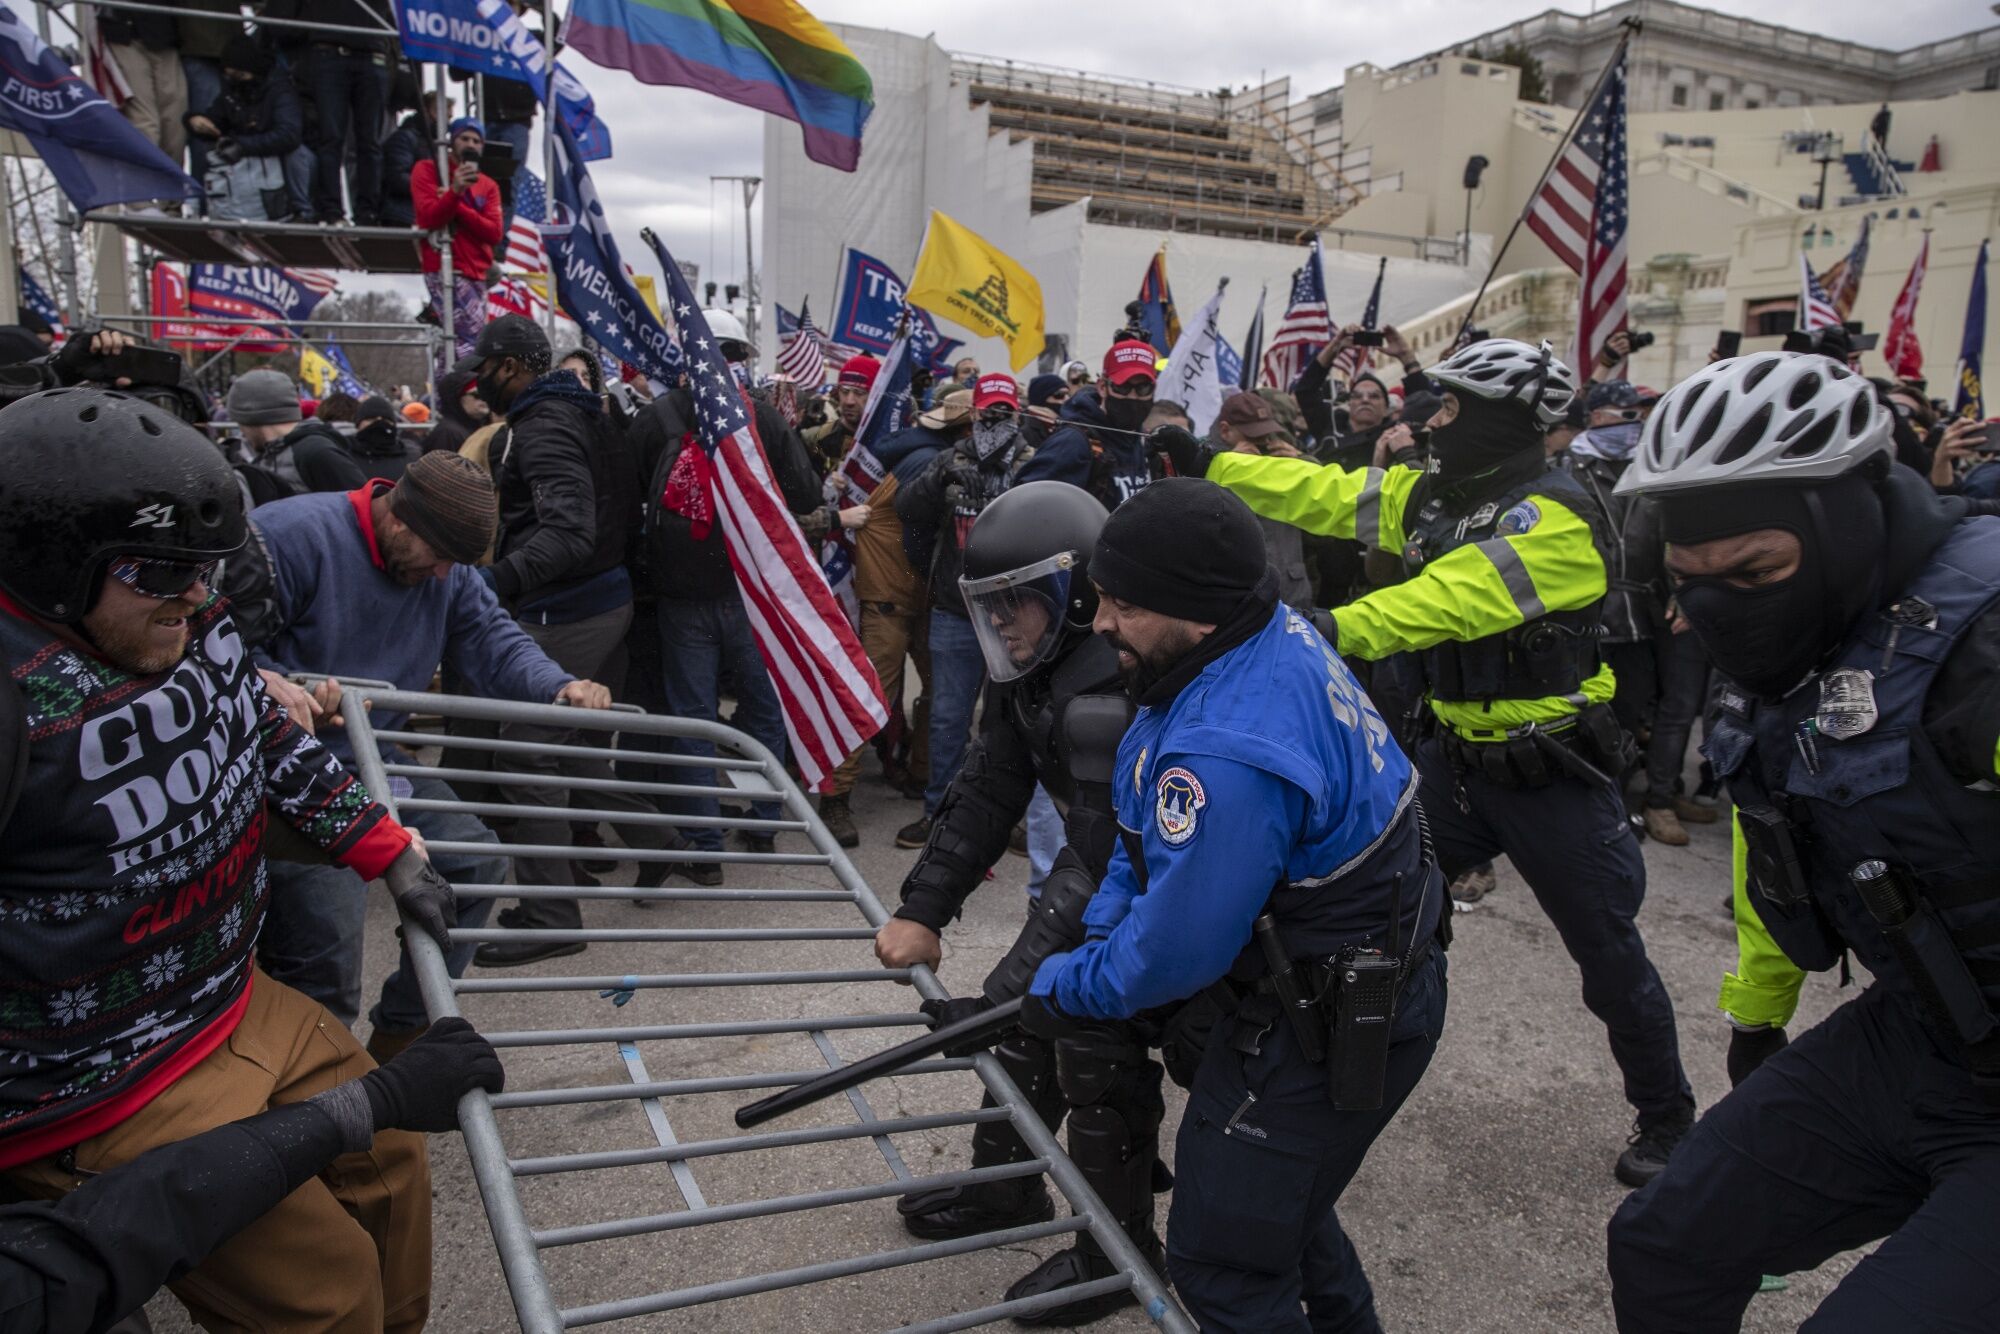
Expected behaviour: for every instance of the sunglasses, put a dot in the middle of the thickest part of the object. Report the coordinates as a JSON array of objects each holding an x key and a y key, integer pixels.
[{"x": 161, "y": 579}]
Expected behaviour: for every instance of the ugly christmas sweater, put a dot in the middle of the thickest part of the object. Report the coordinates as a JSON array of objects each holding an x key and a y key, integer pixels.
[{"x": 132, "y": 882}]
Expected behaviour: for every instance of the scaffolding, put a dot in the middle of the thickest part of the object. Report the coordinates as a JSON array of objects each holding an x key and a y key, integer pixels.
[{"x": 688, "y": 1050}]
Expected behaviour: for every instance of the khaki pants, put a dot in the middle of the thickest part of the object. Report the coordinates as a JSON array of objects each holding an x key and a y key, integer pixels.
[
  {"x": 889, "y": 635},
  {"x": 350, "y": 1250},
  {"x": 159, "y": 94}
]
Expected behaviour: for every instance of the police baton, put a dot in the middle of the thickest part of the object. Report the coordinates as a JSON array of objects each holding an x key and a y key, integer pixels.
[{"x": 978, "y": 1031}]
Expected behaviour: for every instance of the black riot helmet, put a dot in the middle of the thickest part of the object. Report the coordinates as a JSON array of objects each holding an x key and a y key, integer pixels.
[
  {"x": 87, "y": 475},
  {"x": 1026, "y": 574}
]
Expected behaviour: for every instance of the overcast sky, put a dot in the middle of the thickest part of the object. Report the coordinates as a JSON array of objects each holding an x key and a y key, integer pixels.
[{"x": 669, "y": 141}]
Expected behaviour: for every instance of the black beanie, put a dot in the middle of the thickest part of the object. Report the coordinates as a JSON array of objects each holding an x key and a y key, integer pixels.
[
  {"x": 1182, "y": 547},
  {"x": 243, "y": 52}
]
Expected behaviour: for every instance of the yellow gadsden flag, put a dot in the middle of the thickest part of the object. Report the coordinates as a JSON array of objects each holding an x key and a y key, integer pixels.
[
  {"x": 961, "y": 277},
  {"x": 315, "y": 370}
]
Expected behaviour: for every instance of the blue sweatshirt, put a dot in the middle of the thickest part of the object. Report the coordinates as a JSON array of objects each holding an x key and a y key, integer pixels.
[{"x": 339, "y": 612}]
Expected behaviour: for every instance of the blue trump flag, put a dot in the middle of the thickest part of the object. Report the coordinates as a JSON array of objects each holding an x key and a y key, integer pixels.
[
  {"x": 590, "y": 277},
  {"x": 344, "y": 378},
  {"x": 485, "y": 37},
  {"x": 95, "y": 154},
  {"x": 37, "y": 299},
  {"x": 1971, "y": 399},
  {"x": 870, "y": 311}
]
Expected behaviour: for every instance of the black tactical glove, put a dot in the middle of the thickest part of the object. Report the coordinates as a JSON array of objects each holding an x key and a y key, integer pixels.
[
  {"x": 1041, "y": 1016},
  {"x": 227, "y": 151},
  {"x": 419, "y": 1089},
  {"x": 1185, "y": 455},
  {"x": 945, "y": 1013},
  {"x": 424, "y": 894},
  {"x": 1750, "y": 1048}
]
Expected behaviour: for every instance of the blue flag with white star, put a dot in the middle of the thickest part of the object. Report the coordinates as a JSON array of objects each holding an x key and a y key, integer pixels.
[
  {"x": 96, "y": 155},
  {"x": 590, "y": 278}
]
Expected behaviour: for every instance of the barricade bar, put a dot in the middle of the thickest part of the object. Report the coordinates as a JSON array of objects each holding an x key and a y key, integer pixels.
[
  {"x": 747, "y": 951},
  {"x": 666, "y": 1088},
  {"x": 652, "y": 981},
  {"x": 507, "y": 810},
  {"x": 777, "y": 1139},
  {"x": 783, "y": 1204},
  {"x": 744, "y": 1028},
  {"x": 792, "y": 1278},
  {"x": 1020, "y": 1306}
]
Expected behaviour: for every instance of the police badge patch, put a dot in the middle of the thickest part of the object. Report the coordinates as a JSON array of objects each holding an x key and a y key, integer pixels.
[
  {"x": 1181, "y": 798},
  {"x": 1519, "y": 519}
]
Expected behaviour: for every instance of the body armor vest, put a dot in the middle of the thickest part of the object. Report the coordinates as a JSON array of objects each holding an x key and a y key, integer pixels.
[
  {"x": 1550, "y": 655},
  {"x": 1843, "y": 772}
]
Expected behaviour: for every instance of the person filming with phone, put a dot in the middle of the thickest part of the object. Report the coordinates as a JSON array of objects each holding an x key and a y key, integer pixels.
[{"x": 466, "y": 207}]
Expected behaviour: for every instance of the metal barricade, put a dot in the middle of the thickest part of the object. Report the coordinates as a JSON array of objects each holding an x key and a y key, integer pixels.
[{"x": 700, "y": 1048}]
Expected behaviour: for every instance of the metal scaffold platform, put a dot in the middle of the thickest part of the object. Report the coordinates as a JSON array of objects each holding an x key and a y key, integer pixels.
[
  {"x": 688, "y": 1214},
  {"x": 287, "y": 244}
]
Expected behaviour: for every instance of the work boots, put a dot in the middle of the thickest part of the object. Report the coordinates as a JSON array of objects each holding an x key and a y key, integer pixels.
[
  {"x": 944, "y": 1212},
  {"x": 838, "y": 818},
  {"x": 1083, "y": 1263},
  {"x": 1653, "y": 1142}
]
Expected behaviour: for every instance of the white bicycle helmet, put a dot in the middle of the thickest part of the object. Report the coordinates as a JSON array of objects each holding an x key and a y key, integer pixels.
[
  {"x": 1507, "y": 368},
  {"x": 1769, "y": 417}
]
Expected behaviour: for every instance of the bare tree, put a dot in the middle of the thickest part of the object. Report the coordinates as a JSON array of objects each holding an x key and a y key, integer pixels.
[{"x": 382, "y": 368}]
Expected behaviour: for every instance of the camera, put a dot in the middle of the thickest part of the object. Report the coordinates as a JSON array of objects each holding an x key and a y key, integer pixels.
[
  {"x": 1640, "y": 338},
  {"x": 1367, "y": 338},
  {"x": 468, "y": 154}
]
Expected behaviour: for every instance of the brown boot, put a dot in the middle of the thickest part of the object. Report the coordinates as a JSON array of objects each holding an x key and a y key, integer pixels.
[
  {"x": 838, "y": 818},
  {"x": 1693, "y": 812},
  {"x": 1664, "y": 827},
  {"x": 385, "y": 1044}
]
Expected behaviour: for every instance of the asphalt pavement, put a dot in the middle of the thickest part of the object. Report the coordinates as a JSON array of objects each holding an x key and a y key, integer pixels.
[{"x": 1481, "y": 1208}]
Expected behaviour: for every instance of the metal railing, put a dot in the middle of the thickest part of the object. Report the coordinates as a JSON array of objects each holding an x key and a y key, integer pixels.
[{"x": 765, "y": 919}]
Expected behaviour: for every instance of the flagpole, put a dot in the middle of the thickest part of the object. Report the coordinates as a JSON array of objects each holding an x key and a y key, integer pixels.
[
  {"x": 1631, "y": 27},
  {"x": 549, "y": 110},
  {"x": 66, "y": 223}
]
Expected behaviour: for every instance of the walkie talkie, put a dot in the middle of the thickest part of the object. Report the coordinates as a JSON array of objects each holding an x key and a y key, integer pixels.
[{"x": 1364, "y": 1006}]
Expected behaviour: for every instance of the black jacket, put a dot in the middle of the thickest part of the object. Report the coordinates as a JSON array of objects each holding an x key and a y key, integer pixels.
[
  {"x": 565, "y": 492},
  {"x": 264, "y": 120},
  {"x": 1314, "y": 392},
  {"x": 1635, "y": 597},
  {"x": 95, "y": 1256},
  {"x": 383, "y": 455},
  {"x": 407, "y": 144},
  {"x": 946, "y": 497},
  {"x": 346, "y": 13},
  {"x": 674, "y": 563},
  {"x": 313, "y": 457}
]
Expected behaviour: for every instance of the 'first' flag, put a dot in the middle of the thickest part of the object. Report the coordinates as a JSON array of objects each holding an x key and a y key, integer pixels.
[{"x": 96, "y": 155}]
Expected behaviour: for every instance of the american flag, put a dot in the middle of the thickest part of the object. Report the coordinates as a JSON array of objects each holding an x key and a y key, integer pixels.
[
  {"x": 524, "y": 250},
  {"x": 1354, "y": 358},
  {"x": 1815, "y": 306},
  {"x": 1581, "y": 212},
  {"x": 1305, "y": 328},
  {"x": 514, "y": 296},
  {"x": 802, "y": 356},
  {"x": 1843, "y": 281},
  {"x": 103, "y": 73},
  {"x": 831, "y": 698},
  {"x": 1900, "y": 347},
  {"x": 315, "y": 280}
]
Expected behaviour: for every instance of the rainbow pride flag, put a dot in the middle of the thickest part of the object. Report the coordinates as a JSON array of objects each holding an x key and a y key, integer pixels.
[{"x": 767, "y": 54}]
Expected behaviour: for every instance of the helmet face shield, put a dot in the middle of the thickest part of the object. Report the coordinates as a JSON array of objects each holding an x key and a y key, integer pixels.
[{"x": 1018, "y": 616}]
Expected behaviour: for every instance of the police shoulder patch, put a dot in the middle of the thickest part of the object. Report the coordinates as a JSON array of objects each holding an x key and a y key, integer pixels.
[
  {"x": 1519, "y": 519},
  {"x": 1177, "y": 810}
]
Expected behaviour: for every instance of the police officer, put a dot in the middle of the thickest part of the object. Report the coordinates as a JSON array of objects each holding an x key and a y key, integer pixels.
[
  {"x": 1054, "y": 714},
  {"x": 1506, "y": 576},
  {"x": 1856, "y": 615},
  {"x": 1270, "y": 848}
]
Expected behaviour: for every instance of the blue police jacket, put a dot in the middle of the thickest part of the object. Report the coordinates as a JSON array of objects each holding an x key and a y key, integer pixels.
[{"x": 1269, "y": 780}]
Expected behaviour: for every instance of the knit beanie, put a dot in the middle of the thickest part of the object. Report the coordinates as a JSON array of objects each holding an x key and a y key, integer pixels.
[
  {"x": 375, "y": 408},
  {"x": 1042, "y": 386},
  {"x": 1182, "y": 547},
  {"x": 263, "y": 398},
  {"x": 448, "y": 500}
]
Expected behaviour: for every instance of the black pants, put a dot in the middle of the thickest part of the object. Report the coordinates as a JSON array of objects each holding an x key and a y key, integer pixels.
[
  {"x": 1860, "y": 1130},
  {"x": 1571, "y": 842},
  {"x": 1636, "y": 665},
  {"x": 1683, "y": 688},
  {"x": 1254, "y": 1241},
  {"x": 348, "y": 89}
]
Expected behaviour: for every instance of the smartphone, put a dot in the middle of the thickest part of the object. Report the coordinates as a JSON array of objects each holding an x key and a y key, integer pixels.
[
  {"x": 496, "y": 160},
  {"x": 1728, "y": 343},
  {"x": 141, "y": 365},
  {"x": 1368, "y": 338}
]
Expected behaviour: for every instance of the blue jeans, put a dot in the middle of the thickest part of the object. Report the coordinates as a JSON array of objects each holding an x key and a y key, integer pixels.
[
  {"x": 1045, "y": 839},
  {"x": 299, "y": 166},
  {"x": 204, "y": 85},
  {"x": 701, "y": 643},
  {"x": 313, "y": 932},
  {"x": 350, "y": 91},
  {"x": 957, "y": 671}
]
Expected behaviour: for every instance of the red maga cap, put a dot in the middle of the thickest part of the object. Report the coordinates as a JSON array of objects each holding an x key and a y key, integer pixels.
[
  {"x": 1129, "y": 357},
  {"x": 860, "y": 370},
  {"x": 991, "y": 389}
]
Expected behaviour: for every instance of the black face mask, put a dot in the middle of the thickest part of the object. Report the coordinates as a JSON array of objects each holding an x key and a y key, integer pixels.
[
  {"x": 376, "y": 437},
  {"x": 491, "y": 387},
  {"x": 1127, "y": 414},
  {"x": 1770, "y": 639},
  {"x": 1482, "y": 435}
]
